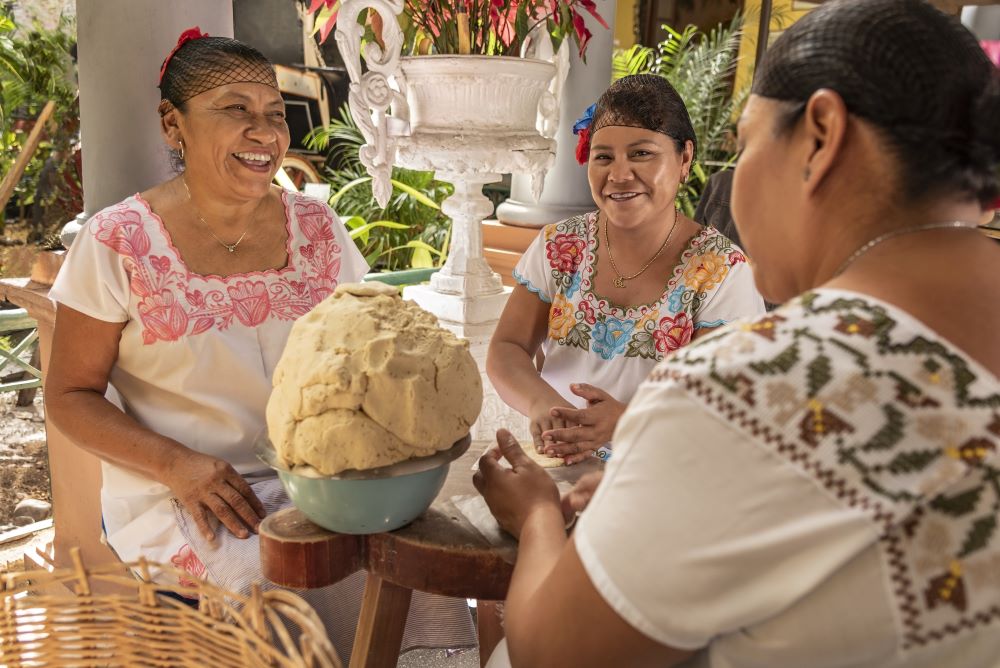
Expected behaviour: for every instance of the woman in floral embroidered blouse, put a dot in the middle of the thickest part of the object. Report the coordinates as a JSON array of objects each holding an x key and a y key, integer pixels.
[
  {"x": 174, "y": 306},
  {"x": 608, "y": 294},
  {"x": 819, "y": 486}
]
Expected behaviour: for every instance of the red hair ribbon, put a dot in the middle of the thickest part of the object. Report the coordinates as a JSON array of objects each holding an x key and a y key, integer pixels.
[
  {"x": 995, "y": 204},
  {"x": 186, "y": 36},
  {"x": 583, "y": 146}
]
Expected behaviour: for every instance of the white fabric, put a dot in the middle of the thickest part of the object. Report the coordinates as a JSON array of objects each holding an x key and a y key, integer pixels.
[
  {"x": 711, "y": 530},
  {"x": 591, "y": 340},
  {"x": 197, "y": 352}
]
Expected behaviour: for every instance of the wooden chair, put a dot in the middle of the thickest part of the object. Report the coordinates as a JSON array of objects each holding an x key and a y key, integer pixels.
[{"x": 22, "y": 331}]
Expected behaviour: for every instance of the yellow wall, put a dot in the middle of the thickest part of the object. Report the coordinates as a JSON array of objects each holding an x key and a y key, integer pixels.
[
  {"x": 783, "y": 14},
  {"x": 624, "y": 23}
]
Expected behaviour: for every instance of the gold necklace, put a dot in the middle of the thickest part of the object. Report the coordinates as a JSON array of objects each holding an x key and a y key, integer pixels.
[
  {"x": 229, "y": 247},
  {"x": 952, "y": 224},
  {"x": 620, "y": 281}
]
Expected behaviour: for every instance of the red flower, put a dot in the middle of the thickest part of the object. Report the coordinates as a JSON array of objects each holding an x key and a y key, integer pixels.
[
  {"x": 587, "y": 310},
  {"x": 565, "y": 252},
  {"x": 736, "y": 257},
  {"x": 160, "y": 263},
  {"x": 186, "y": 36},
  {"x": 672, "y": 333},
  {"x": 583, "y": 146}
]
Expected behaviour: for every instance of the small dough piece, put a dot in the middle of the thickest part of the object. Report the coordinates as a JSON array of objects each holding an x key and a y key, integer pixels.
[
  {"x": 541, "y": 458},
  {"x": 370, "y": 289}
]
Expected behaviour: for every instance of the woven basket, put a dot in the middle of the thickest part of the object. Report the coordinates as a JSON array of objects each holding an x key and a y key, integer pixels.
[{"x": 137, "y": 627}]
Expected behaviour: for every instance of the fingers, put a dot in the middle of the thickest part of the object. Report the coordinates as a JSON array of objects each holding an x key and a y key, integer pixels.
[
  {"x": 569, "y": 460},
  {"x": 226, "y": 515},
  {"x": 243, "y": 488},
  {"x": 569, "y": 415},
  {"x": 536, "y": 433},
  {"x": 240, "y": 505},
  {"x": 568, "y": 435},
  {"x": 511, "y": 450},
  {"x": 567, "y": 449},
  {"x": 589, "y": 392},
  {"x": 197, "y": 512}
]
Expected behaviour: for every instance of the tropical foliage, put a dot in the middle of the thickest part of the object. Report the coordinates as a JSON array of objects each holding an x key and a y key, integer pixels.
[
  {"x": 411, "y": 231},
  {"x": 488, "y": 27},
  {"x": 35, "y": 67}
]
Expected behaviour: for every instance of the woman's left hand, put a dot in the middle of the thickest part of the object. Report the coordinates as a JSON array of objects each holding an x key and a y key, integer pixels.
[
  {"x": 590, "y": 427},
  {"x": 514, "y": 494}
]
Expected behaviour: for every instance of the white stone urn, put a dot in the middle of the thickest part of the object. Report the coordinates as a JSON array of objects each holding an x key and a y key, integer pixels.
[{"x": 470, "y": 119}]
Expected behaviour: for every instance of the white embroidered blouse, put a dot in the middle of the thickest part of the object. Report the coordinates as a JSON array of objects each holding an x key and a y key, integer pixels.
[
  {"x": 817, "y": 487},
  {"x": 593, "y": 340},
  {"x": 197, "y": 352}
]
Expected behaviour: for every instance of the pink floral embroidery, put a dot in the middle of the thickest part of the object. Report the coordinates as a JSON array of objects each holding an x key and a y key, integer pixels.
[
  {"x": 171, "y": 307},
  {"x": 565, "y": 251},
  {"x": 736, "y": 257},
  {"x": 673, "y": 333},
  {"x": 187, "y": 561}
]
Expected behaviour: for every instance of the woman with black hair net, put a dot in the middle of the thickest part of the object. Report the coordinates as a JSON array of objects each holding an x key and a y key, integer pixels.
[
  {"x": 174, "y": 306},
  {"x": 608, "y": 294},
  {"x": 818, "y": 486}
]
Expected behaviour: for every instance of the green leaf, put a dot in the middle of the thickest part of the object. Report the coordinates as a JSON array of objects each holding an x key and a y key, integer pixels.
[
  {"x": 959, "y": 504},
  {"x": 415, "y": 194},
  {"x": 891, "y": 432},
  {"x": 365, "y": 229},
  {"x": 344, "y": 190},
  {"x": 818, "y": 374},
  {"x": 422, "y": 245},
  {"x": 781, "y": 364},
  {"x": 979, "y": 535},
  {"x": 421, "y": 259},
  {"x": 912, "y": 461}
]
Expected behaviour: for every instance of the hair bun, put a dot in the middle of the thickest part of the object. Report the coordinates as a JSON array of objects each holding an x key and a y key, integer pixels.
[{"x": 986, "y": 116}]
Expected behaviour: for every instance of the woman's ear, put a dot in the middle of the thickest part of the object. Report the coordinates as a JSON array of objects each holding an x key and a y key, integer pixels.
[
  {"x": 825, "y": 122},
  {"x": 687, "y": 157},
  {"x": 170, "y": 124}
]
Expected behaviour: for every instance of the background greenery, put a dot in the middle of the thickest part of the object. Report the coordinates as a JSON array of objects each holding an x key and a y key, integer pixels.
[{"x": 35, "y": 67}]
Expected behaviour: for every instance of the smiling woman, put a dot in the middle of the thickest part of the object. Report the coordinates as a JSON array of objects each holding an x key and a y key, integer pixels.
[
  {"x": 174, "y": 306},
  {"x": 608, "y": 294}
]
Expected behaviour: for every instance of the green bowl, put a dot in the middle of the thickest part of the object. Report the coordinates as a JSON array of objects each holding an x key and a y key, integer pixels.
[{"x": 370, "y": 501}]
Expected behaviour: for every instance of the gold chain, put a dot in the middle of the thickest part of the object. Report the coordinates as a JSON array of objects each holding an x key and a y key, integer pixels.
[
  {"x": 620, "y": 281},
  {"x": 229, "y": 247}
]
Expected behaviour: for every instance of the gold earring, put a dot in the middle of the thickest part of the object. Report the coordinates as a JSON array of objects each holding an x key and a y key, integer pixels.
[{"x": 181, "y": 142}]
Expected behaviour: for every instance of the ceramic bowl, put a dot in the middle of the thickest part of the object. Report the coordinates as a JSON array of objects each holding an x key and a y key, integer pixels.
[{"x": 369, "y": 501}]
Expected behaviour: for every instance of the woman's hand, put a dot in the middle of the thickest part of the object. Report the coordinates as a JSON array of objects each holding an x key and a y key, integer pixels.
[
  {"x": 575, "y": 500},
  {"x": 208, "y": 486},
  {"x": 587, "y": 429},
  {"x": 542, "y": 418},
  {"x": 514, "y": 494}
]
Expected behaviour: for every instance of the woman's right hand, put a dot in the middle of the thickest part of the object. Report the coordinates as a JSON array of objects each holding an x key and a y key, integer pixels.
[
  {"x": 542, "y": 419},
  {"x": 208, "y": 486}
]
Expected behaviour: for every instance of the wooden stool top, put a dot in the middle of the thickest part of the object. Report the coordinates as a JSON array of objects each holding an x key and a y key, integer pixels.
[{"x": 440, "y": 552}]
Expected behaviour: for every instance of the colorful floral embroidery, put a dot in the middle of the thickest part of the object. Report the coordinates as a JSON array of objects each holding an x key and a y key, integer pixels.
[
  {"x": 891, "y": 422},
  {"x": 173, "y": 302},
  {"x": 580, "y": 318}
]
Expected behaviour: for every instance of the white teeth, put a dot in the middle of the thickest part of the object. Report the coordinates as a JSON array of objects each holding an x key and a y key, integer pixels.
[
  {"x": 622, "y": 196},
  {"x": 254, "y": 157}
]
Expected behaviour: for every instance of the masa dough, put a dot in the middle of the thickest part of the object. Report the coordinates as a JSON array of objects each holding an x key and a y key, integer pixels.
[
  {"x": 367, "y": 380},
  {"x": 541, "y": 458}
]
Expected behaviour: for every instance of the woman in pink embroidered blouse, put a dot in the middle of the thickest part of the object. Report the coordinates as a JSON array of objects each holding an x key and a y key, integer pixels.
[
  {"x": 608, "y": 294},
  {"x": 174, "y": 306}
]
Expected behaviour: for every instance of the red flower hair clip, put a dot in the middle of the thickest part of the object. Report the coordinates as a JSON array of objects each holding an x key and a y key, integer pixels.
[{"x": 186, "y": 36}]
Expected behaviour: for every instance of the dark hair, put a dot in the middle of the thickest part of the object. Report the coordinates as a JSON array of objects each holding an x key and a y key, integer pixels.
[
  {"x": 645, "y": 101},
  {"x": 208, "y": 62},
  {"x": 914, "y": 73}
]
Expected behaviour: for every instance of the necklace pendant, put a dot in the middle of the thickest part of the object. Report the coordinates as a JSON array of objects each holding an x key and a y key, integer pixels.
[
  {"x": 619, "y": 282},
  {"x": 231, "y": 249}
]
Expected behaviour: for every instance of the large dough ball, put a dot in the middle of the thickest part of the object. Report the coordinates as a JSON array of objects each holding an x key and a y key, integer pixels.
[{"x": 368, "y": 379}]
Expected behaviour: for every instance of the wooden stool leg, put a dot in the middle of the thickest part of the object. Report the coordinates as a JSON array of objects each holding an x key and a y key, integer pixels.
[
  {"x": 489, "y": 627},
  {"x": 381, "y": 625}
]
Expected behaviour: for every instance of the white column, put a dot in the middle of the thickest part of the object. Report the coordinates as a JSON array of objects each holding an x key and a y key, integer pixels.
[
  {"x": 121, "y": 45},
  {"x": 567, "y": 192}
]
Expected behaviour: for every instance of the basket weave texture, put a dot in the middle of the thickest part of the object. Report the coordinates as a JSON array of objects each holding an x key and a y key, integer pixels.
[{"x": 138, "y": 627}]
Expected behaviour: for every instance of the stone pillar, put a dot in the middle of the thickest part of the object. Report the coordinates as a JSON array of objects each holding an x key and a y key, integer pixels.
[
  {"x": 567, "y": 192},
  {"x": 121, "y": 45}
]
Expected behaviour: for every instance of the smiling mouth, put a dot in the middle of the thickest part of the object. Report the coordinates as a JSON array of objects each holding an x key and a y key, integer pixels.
[
  {"x": 258, "y": 162},
  {"x": 622, "y": 197}
]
